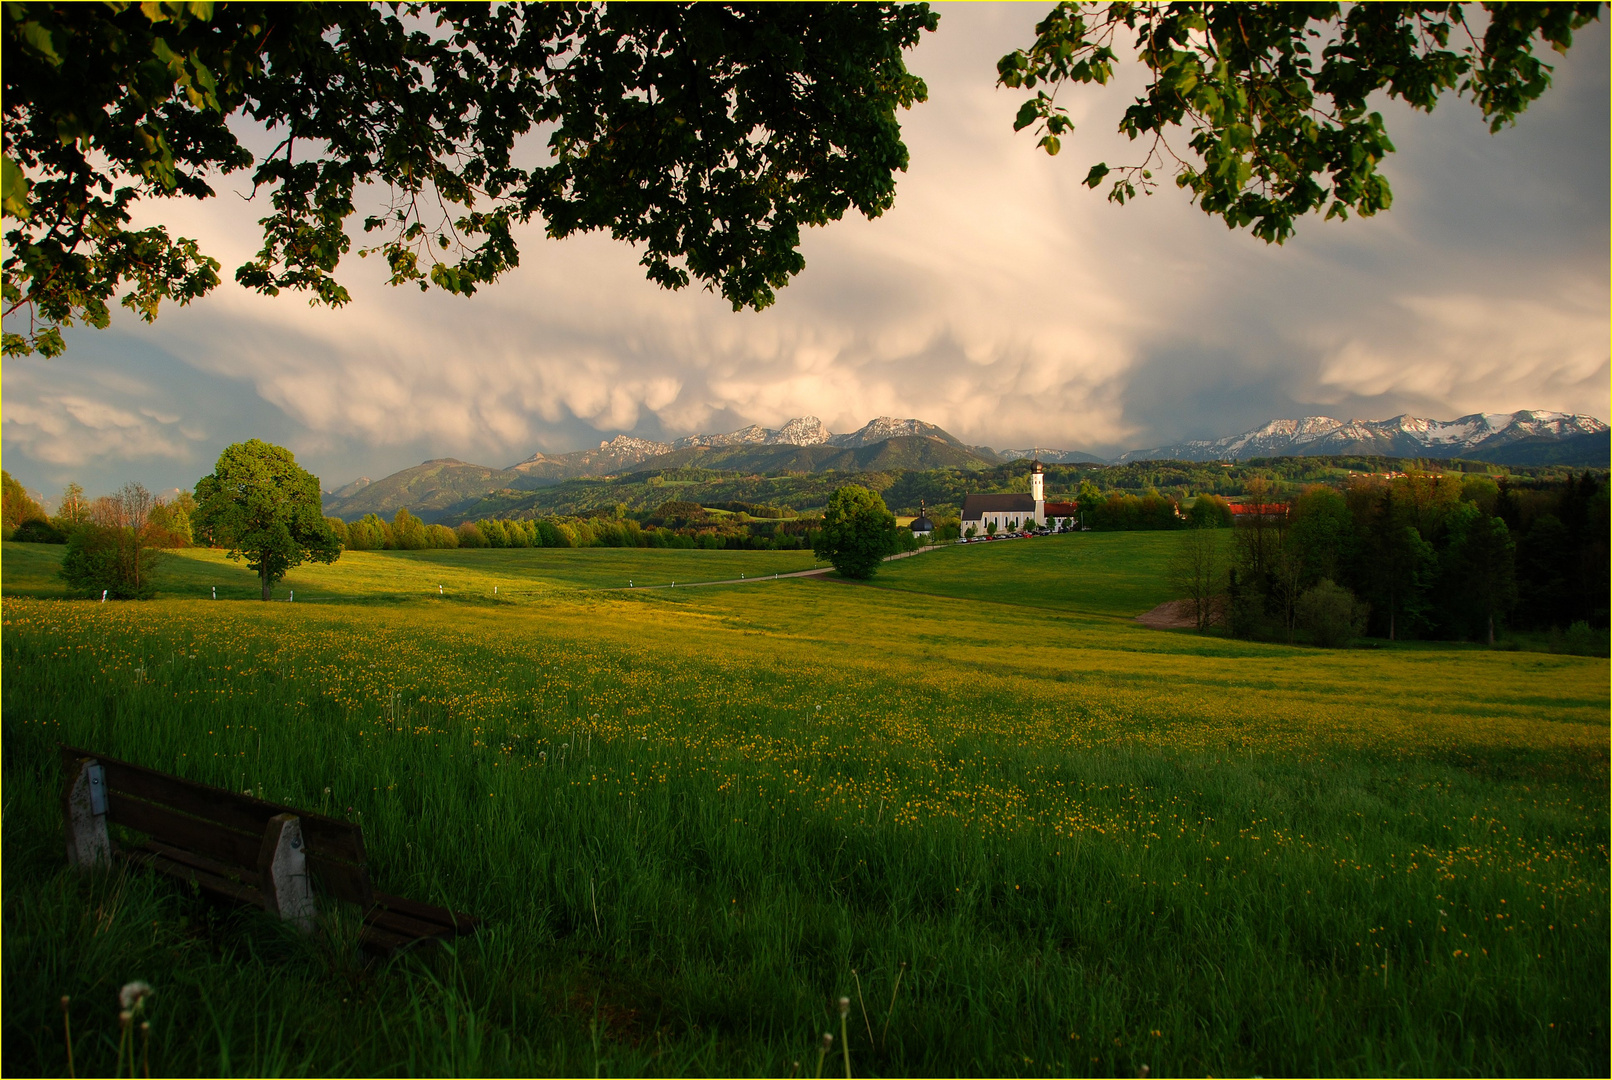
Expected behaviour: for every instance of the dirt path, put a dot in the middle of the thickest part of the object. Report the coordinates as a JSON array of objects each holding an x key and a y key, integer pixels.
[
  {"x": 1170, "y": 615},
  {"x": 814, "y": 572}
]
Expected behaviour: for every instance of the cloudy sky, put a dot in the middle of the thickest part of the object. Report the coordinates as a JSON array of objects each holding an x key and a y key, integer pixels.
[{"x": 1000, "y": 298}]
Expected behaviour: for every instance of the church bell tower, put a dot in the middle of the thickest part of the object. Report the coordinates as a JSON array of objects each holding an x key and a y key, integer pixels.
[{"x": 1038, "y": 493}]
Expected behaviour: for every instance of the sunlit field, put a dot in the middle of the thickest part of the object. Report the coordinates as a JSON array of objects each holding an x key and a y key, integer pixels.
[{"x": 1021, "y": 833}]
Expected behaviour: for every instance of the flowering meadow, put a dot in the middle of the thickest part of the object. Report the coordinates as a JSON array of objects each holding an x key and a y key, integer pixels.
[{"x": 1021, "y": 833}]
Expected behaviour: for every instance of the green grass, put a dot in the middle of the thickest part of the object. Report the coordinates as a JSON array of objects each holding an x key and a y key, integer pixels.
[
  {"x": 1116, "y": 573},
  {"x": 694, "y": 819},
  {"x": 392, "y": 576}
]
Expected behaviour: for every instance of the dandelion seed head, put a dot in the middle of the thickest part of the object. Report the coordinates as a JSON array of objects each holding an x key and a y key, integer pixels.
[{"x": 133, "y": 993}]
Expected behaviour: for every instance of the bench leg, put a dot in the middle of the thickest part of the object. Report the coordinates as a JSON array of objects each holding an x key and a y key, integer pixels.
[
  {"x": 283, "y": 864},
  {"x": 84, "y": 813}
]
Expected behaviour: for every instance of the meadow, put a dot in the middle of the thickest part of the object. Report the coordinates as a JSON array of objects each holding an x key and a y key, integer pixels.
[{"x": 1021, "y": 833}]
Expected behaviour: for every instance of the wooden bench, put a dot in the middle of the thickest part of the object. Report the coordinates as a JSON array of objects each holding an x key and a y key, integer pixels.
[{"x": 233, "y": 845}]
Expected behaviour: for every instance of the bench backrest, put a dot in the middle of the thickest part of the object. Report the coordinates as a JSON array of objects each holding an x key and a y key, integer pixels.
[{"x": 225, "y": 825}]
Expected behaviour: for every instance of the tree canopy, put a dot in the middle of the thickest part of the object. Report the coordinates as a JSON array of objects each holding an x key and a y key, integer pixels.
[
  {"x": 706, "y": 134},
  {"x": 858, "y": 531},
  {"x": 265, "y": 508},
  {"x": 1275, "y": 96}
]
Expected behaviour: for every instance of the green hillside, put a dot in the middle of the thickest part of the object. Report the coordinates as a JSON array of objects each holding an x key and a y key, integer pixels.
[
  {"x": 906, "y": 470},
  {"x": 906, "y": 452},
  {"x": 428, "y": 489},
  {"x": 1020, "y": 833}
]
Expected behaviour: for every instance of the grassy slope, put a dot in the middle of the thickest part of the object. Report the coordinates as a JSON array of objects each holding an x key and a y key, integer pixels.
[
  {"x": 1093, "y": 573},
  {"x": 690, "y": 816},
  {"x": 391, "y": 576}
]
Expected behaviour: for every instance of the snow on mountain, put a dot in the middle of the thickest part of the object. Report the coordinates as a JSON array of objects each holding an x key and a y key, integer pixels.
[
  {"x": 624, "y": 451},
  {"x": 627, "y": 444},
  {"x": 1049, "y": 456},
  {"x": 881, "y": 428},
  {"x": 1400, "y": 436},
  {"x": 802, "y": 431}
]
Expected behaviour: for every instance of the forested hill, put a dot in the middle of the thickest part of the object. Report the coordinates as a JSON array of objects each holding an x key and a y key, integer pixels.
[
  {"x": 904, "y": 452},
  {"x": 942, "y": 489},
  {"x": 448, "y": 489},
  {"x": 429, "y": 489}
]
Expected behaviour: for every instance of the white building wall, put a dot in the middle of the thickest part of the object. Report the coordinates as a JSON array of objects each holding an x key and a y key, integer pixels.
[{"x": 1025, "y": 519}]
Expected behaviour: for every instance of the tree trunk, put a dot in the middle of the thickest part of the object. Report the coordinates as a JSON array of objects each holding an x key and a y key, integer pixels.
[
  {"x": 1491, "y": 631},
  {"x": 264, "y": 577}
]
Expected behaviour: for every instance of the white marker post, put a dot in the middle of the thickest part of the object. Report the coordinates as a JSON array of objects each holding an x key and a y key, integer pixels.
[{"x": 215, "y": 592}]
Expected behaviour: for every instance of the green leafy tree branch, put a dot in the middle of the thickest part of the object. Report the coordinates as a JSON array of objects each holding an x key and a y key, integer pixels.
[
  {"x": 707, "y": 135},
  {"x": 1274, "y": 97}
]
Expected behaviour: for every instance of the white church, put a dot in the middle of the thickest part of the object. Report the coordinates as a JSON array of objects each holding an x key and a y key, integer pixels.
[{"x": 1016, "y": 512}]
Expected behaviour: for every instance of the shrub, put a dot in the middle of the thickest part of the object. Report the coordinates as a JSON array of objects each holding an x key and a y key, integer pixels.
[
  {"x": 39, "y": 531},
  {"x": 1331, "y": 614},
  {"x": 1581, "y": 639},
  {"x": 470, "y": 536},
  {"x": 110, "y": 558}
]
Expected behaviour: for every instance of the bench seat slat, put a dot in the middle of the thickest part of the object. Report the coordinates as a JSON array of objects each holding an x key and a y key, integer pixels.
[
  {"x": 457, "y": 921},
  {"x": 398, "y": 923},
  {"x": 249, "y": 878},
  {"x": 179, "y": 830},
  {"x": 223, "y": 886},
  {"x": 373, "y": 937}
]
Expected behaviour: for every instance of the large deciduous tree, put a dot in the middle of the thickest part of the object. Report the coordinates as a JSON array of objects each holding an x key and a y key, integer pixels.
[
  {"x": 265, "y": 508},
  {"x": 707, "y": 135},
  {"x": 1275, "y": 99},
  {"x": 858, "y": 531}
]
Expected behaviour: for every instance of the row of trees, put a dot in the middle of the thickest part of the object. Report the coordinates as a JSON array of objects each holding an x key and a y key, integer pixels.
[
  {"x": 258, "y": 503},
  {"x": 161, "y": 523},
  {"x": 112, "y": 541},
  {"x": 1114, "y": 510},
  {"x": 405, "y": 532},
  {"x": 1422, "y": 555}
]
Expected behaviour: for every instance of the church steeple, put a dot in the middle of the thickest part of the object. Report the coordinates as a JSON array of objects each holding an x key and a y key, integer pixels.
[{"x": 1037, "y": 482}]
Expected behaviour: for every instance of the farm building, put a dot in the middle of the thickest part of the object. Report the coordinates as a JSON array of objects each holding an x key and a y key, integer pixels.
[{"x": 1017, "y": 511}]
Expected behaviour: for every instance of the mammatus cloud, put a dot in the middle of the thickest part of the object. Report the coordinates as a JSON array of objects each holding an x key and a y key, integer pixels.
[{"x": 1000, "y": 298}]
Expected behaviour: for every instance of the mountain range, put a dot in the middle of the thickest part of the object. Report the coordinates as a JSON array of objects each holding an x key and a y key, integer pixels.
[
  {"x": 803, "y": 445},
  {"x": 1519, "y": 438}
]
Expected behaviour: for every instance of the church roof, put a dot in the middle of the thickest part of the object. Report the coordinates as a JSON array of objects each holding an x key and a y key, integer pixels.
[
  {"x": 974, "y": 506},
  {"x": 1062, "y": 509},
  {"x": 922, "y": 524}
]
